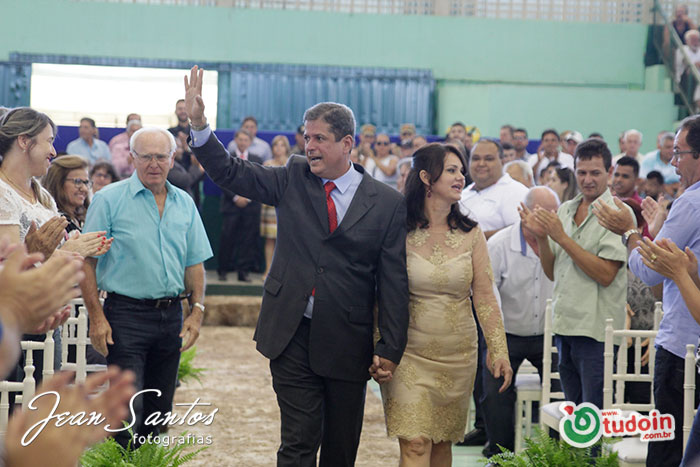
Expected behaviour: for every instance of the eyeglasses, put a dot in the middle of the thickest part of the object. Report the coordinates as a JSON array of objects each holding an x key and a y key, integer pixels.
[
  {"x": 677, "y": 154},
  {"x": 382, "y": 143},
  {"x": 406, "y": 133},
  {"x": 147, "y": 158},
  {"x": 78, "y": 182}
]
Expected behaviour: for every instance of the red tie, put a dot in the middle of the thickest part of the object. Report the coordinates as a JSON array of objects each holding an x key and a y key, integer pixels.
[{"x": 332, "y": 215}]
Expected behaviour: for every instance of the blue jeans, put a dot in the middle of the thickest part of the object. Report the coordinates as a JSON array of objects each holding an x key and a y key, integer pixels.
[
  {"x": 499, "y": 409},
  {"x": 147, "y": 342},
  {"x": 581, "y": 368},
  {"x": 668, "y": 399}
]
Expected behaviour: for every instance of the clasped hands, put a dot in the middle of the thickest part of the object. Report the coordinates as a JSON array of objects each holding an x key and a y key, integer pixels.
[
  {"x": 382, "y": 369},
  {"x": 542, "y": 222}
]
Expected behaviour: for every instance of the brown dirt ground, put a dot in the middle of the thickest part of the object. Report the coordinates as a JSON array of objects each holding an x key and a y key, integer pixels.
[{"x": 245, "y": 431}]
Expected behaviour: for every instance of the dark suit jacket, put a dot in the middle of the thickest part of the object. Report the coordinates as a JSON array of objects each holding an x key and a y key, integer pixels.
[
  {"x": 227, "y": 206},
  {"x": 362, "y": 261}
]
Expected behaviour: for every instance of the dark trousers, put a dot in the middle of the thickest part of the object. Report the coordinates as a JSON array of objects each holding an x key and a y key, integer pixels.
[
  {"x": 240, "y": 230},
  {"x": 315, "y": 410},
  {"x": 668, "y": 399},
  {"x": 691, "y": 457},
  {"x": 147, "y": 342},
  {"x": 499, "y": 409},
  {"x": 581, "y": 368}
]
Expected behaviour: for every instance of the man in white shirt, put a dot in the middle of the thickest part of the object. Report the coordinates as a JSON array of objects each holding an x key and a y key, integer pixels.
[
  {"x": 633, "y": 141},
  {"x": 549, "y": 152},
  {"x": 524, "y": 290},
  {"x": 493, "y": 199}
]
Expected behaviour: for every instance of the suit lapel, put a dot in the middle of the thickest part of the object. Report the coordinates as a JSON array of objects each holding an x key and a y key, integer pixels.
[
  {"x": 318, "y": 198},
  {"x": 361, "y": 203}
]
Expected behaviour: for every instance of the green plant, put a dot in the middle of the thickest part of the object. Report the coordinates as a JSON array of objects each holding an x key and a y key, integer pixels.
[
  {"x": 110, "y": 454},
  {"x": 543, "y": 451},
  {"x": 187, "y": 370}
]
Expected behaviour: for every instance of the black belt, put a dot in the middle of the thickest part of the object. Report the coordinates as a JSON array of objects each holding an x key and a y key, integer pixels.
[{"x": 160, "y": 303}]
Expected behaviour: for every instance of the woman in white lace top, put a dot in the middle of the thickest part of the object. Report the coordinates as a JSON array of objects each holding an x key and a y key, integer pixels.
[{"x": 28, "y": 213}]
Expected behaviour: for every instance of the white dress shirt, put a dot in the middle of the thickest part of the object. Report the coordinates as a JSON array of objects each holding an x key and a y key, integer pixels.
[
  {"x": 496, "y": 206},
  {"x": 522, "y": 285},
  {"x": 564, "y": 159}
]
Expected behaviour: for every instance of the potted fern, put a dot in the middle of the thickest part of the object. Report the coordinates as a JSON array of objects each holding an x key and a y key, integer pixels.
[
  {"x": 110, "y": 454},
  {"x": 187, "y": 371},
  {"x": 541, "y": 451}
]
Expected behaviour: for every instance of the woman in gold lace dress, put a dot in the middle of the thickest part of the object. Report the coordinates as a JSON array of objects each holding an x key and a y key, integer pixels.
[{"x": 425, "y": 403}]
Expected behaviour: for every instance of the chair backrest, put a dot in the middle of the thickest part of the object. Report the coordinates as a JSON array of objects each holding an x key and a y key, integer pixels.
[
  {"x": 549, "y": 354},
  {"x": 621, "y": 376},
  {"x": 618, "y": 380},
  {"x": 27, "y": 387},
  {"x": 75, "y": 332},
  {"x": 690, "y": 370}
]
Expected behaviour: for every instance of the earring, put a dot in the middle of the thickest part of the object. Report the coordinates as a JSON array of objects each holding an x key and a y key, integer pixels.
[{"x": 430, "y": 191}]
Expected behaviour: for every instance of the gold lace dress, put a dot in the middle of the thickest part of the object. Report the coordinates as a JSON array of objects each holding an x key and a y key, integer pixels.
[{"x": 429, "y": 393}]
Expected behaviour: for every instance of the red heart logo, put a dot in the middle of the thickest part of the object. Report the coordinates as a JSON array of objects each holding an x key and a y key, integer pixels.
[{"x": 569, "y": 409}]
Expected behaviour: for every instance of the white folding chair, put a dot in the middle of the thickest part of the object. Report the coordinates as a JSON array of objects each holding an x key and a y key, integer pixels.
[
  {"x": 690, "y": 370},
  {"x": 27, "y": 387},
  {"x": 551, "y": 400},
  {"x": 75, "y": 332}
]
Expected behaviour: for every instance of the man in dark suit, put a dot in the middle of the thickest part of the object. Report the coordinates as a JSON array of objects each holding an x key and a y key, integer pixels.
[
  {"x": 340, "y": 248},
  {"x": 240, "y": 221}
]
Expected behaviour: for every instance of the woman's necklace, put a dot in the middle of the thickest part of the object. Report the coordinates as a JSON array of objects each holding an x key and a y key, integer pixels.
[{"x": 29, "y": 195}]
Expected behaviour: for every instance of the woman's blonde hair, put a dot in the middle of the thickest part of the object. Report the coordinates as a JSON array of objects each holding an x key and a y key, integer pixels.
[
  {"x": 24, "y": 121},
  {"x": 284, "y": 139}
]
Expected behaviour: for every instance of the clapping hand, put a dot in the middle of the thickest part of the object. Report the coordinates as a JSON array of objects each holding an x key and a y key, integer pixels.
[
  {"x": 664, "y": 257},
  {"x": 550, "y": 223},
  {"x": 46, "y": 239},
  {"x": 89, "y": 244},
  {"x": 61, "y": 446},
  {"x": 29, "y": 296},
  {"x": 655, "y": 213},
  {"x": 527, "y": 219},
  {"x": 618, "y": 220}
]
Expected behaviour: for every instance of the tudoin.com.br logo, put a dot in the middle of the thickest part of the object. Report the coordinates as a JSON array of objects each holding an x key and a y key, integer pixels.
[{"x": 582, "y": 425}]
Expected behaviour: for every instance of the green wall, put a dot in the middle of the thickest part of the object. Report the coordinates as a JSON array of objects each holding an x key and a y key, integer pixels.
[{"x": 530, "y": 73}]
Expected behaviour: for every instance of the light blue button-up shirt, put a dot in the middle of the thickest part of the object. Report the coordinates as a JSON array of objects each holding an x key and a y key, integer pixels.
[
  {"x": 678, "y": 327},
  {"x": 98, "y": 150},
  {"x": 149, "y": 253}
]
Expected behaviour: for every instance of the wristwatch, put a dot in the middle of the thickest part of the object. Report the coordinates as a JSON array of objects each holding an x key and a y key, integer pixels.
[
  {"x": 626, "y": 236},
  {"x": 199, "y": 305}
]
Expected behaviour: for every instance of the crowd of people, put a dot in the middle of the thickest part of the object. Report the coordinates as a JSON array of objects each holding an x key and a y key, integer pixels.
[{"x": 425, "y": 266}]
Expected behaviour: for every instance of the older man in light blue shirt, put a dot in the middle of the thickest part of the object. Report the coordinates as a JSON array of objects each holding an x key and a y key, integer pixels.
[{"x": 158, "y": 252}]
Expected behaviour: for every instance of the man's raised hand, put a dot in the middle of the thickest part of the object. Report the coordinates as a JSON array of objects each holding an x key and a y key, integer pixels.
[{"x": 194, "y": 105}]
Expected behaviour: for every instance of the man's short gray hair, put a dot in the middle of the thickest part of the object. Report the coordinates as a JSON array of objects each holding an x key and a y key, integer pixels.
[
  {"x": 665, "y": 136},
  {"x": 633, "y": 132},
  {"x": 530, "y": 196},
  {"x": 525, "y": 168},
  {"x": 150, "y": 130}
]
